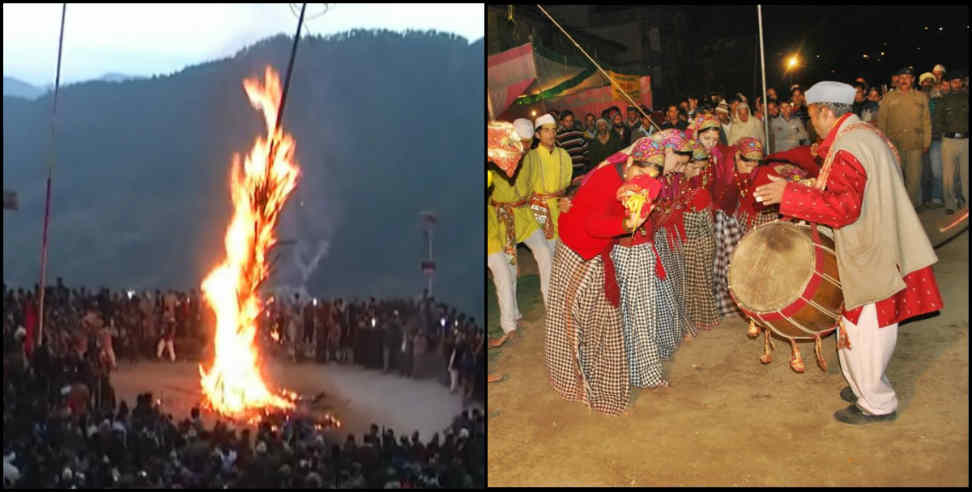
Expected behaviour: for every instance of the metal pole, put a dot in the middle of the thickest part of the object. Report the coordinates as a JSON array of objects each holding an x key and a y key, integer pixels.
[
  {"x": 762, "y": 57},
  {"x": 50, "y": 177}
]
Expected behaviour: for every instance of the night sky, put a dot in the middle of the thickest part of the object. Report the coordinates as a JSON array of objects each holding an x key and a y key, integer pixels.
[{"x": 840, "y": 36}]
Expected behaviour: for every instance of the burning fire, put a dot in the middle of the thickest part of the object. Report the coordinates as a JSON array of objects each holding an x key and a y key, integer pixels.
[{"x": 233, "y": 385}]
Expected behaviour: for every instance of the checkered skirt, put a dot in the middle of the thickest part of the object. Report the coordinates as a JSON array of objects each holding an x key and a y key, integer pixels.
[
  {"x": 727, "y": 235},
  {"x": 643, "y": 316},
  {"x": 583, "y": 344},
  {"x": 757, "y": 220},
  {"x": 699, "y": 252},
  {"x": 674, "y": 264}
]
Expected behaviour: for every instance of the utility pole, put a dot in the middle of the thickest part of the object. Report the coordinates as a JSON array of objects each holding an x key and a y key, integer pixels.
[{"x": 428, "y": 223}]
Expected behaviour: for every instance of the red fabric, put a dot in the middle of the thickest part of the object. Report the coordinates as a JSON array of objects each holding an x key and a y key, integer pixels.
[
  {"x": 801, "y": 156},
  {"x": 595, "y": 217},
  {"x": 746, "y": 206},
  {"x": 659, "y": 268},
  {"x": 920, "y": 296},
  {"x": 611, "y": 288},
  {"x": 723, "y": 187},
  {"x": 840, "y": 205},
  {"x": 701, "y": 200}
]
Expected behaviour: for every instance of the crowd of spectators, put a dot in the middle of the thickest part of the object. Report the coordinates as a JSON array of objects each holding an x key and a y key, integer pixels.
[
  {"x": 63, "y": 427},
  {"x": 589, "y": 138}
]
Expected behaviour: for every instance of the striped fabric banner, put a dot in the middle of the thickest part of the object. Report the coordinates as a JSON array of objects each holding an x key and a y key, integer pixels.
[{"x": 509, "y": 74}]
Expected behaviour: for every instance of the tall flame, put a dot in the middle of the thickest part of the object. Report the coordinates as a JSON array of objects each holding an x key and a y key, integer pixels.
[{"x": 233, "y": 385}]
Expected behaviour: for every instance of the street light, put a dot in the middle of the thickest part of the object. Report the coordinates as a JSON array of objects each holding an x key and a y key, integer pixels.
[{"x": 792, "y": 62}]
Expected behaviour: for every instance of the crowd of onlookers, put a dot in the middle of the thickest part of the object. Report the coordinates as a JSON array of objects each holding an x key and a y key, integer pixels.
[
  {"x": 410, "y": 337},
  {"x": 590, "y": 138},
  {"x": 63, "y": 427}
]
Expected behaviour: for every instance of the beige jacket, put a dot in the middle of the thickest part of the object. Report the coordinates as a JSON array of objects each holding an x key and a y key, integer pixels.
[
  {"x": 887, "y": 241},
  {"x": 905, "y": 119}
]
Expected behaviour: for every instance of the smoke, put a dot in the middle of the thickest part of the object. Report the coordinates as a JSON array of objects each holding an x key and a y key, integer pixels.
[{"x": 305, "y": 230}]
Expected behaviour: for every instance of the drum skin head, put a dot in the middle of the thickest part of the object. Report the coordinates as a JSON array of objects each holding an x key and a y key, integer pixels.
[{"x": 771, "y": 266}]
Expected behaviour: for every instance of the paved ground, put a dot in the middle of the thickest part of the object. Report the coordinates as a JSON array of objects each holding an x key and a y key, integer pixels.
[
  {"x": 729, "y": 420},
  {"x": 357, "y": 397}
]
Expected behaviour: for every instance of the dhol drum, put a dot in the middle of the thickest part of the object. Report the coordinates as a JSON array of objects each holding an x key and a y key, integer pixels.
[{"x": 783, "y": 276}]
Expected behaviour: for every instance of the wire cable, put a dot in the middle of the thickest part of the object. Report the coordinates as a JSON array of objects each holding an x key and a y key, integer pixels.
[{"x": 615, "y": 84}]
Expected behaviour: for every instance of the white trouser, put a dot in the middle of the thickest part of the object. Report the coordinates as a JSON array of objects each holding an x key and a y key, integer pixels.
[
  {"x": 543, "y": 254},
  {"x": 166, "y": 344},
  {"x": 863, "y": 365},
  {"x": 504, "y": 278}
]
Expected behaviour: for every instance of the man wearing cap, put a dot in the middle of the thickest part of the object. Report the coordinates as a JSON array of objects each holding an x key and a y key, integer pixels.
[
  {"x": 931, "y": 183},
  {"x": 904, "y": 118},
  {"x": 926, "y": 82},
  {"x": 508, "y": 223},
  {"x": 884, "y": 257},
  {"x": 952, "y": 118},
  {"x": 939, "y": 73},
  {"x": 549, "y": 171}
]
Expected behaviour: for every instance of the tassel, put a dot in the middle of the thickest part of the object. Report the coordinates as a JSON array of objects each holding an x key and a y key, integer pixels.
[
  {"x": 767, "y": 357},
  {"x": 842, "y": 340},
  {"x": 818, "y": 348},
  {"x": 796, "y": 362},
  {"x": 753, "y": 330}
]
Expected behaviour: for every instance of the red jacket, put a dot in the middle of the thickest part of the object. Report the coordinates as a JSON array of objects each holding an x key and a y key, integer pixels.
[
  {"x": 596, "y": 216},
  {"x": 839, "y": 205}
]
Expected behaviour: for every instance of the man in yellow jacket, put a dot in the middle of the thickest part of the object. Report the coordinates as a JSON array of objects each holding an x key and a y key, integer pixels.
[
  {"x": 508, "y": 223},
  {"x": 904, "y": 117},
  {"x": 550, "y": 171}
]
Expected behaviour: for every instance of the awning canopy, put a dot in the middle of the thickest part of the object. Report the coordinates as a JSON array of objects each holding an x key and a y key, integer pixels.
[{"x": 529, "y": 75}]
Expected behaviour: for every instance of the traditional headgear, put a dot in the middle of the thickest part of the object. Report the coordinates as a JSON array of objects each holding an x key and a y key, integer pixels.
[
  {"x": 546, "y": 119},
  {"x": 938, "y": 68},
  {"x": 750, "y": 148},
  {"x": 503, "y": 146},
  {"x": 699, "y": 152},
  {"x": 722, "y": 107},
  {"x": 925, "y": 76},
  {"x": 701, "y": 123},
  {"x": 830, "y": 92},
  {"x": 524, "y": 128},
  {"x": 646, "y": 149},
  {"x": 905, "y": 71},
  {"x": 674, "y": 139}
]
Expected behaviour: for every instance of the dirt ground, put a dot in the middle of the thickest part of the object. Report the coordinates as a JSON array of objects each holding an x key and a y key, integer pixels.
[
  {"x": 729, "y": 420},
  {"x": 355, "y": 396}
]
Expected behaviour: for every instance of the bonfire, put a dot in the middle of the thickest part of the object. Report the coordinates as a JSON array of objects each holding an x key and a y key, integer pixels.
[{"x": 233, "y": 386}]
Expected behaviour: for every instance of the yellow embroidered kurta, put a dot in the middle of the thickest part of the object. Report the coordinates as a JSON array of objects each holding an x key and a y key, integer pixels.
[
  {"x": 550, "y": 173},
  {"x": 524, "y": 223}
]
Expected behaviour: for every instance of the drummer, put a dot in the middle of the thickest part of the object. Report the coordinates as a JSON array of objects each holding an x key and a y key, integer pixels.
[{"x": 884, "y": 257}]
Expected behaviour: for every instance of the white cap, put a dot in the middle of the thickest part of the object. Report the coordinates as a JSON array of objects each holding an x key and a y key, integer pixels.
[
  {"x": 524, "y": 128},
  {"x": 939, "y": 68},
  {"x": 546, "y": 119},
  {"x": 829, "y": 91}
]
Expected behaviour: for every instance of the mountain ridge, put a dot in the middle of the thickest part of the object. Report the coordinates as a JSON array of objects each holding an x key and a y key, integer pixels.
[{"x": 385, "y": 124}]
